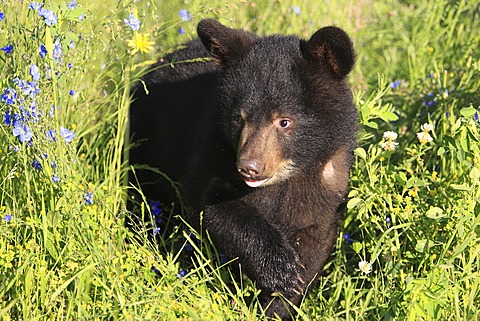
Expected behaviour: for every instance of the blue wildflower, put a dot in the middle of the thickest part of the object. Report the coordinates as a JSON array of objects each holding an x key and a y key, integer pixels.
[
  {"x": 67, "y": 134},
  {"x": 132, "y": 22},
  {"x": 429, "y": 100},
  {"x": 42, "y": 51},
  {"x": 155, "y": 207},
  {"x": 181, "y": 31},
  {"x": 52, "y": 110},
  {"x": 181, "y": 273},
  {"x": 475, "y": 117},
  {"x": 88, "y": 197},
  {"x": 30, "y": 89},
  {"x": 69, "y": 65},
  {"x": 35, "y": 5},
  {"x": 37, "y": 165},
  {"x": 71, "y": 92},
  {"x": 49, "y": 16},
  {"x": 81, "y": 17},
  {"x": 57, "y": 50},
  {"x": 156, "y": 230},
  {"x": 395, "y": 84},
  {"x": 7, "y": 49},
  {"x": 347, "y": 238},
  {"x": 35, "y": 72},
  {"x": 7, "y": 218},
  {"x": 23, "y": 133},
  {"x": 296, "y": 10},
  {"x": 185, "y": 15},
  {"x": 50, "y": 133},
  {"x": 388, "y": 219},
  {"x": 155, "y": 270},
  {"x": 9, "y": 96},
  {"x": 55, "y": 179},
  {"x": 72, "y": 5},
  {"x": 2, "y": 16}
]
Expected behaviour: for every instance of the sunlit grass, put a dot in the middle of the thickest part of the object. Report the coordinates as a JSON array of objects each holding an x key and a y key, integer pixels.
[{"x": 413, "y": 214}]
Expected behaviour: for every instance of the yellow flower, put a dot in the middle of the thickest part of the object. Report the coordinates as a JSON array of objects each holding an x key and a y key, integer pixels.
[{"x": 140, "y": 42}]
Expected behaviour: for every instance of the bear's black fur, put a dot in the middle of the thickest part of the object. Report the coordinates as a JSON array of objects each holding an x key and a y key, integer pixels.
[{"x": 261, "y": 140}]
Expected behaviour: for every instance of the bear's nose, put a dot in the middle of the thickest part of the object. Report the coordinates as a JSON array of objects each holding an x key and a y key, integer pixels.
[{"x": 250, "y": 168}]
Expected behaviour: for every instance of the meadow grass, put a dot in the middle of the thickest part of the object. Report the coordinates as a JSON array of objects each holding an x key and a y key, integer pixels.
[{"x": 413, "y": 215}]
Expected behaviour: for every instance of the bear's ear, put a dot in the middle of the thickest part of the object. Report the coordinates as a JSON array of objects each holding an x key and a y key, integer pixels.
[
  {"x": 224, "y": 44},
  {"x": 332, "y": 47}
]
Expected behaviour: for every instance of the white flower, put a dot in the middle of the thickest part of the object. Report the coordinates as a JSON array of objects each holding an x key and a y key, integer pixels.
[
  {"x": 388, "y": 143},
  {"x": 426, "y": 127},
  {"x": 364, "y": 267},
  {"x": 390, "y": 135},
  {"x": 424, "y": 137}
]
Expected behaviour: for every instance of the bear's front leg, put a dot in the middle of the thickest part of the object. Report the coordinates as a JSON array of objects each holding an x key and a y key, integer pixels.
[{"x": 264, "y": 251}]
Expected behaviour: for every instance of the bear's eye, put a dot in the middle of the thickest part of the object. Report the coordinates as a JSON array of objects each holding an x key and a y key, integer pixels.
[{"x": 284, "y": 123}]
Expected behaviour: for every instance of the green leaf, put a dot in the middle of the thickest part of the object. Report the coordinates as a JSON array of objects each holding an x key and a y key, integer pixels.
[
  {"x": 459, "y": 187},
  {"x": 468, "y": 111},
  {"x": 388, "y": 116},
  {"x": 435, "y": 213},
  {"x": 441, "y": 151},
  {"x": 371, "y": 124},
  {"x": 353, "y": 202},
  {"x": 360, "y": 152},
  {"x": 401, "y": 178},
  {"x": 357, "y": 247},
  {"x": 420, "y": 246}
]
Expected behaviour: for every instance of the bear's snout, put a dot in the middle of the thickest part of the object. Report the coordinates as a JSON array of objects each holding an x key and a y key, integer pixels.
[{"x": 250, "y": 168}]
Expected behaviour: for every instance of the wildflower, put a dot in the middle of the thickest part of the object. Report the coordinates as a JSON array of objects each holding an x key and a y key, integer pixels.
[
  {"x": 155, "y": 207},
  {"x": 181, "y": 31},
  {"x": 35, "y": 6},
  {"x": 347, "y": 238},
  {"x": 7, "y": 218},
  {"x": 156, "y": 230},
  {"x": 36, "y": 164},
  {"x": 49, "y": 16},
  {"x": 364, "y": 267},
  {"x": 67, "y": 134},
  {"x": 34, "y": 72},
  {"x": 9, "y": 96},
  {"x": 2, "y": 16},
  {"x": 72, "y": 5},
  {"x": 140, "y": 42},
  {"x": 429, "y": 100},
  {"x": 69, "y": 65},
  {"x": 388, "y": 143},
  {"x": 42, "y": 51},
  {"x": 388, "y": 219},
  {"x": 88, "y": 197},
  {"x": 7, "y": 49},
  {"x": 155, "y": 270},
  {"x": 132, "y": 22},
  {"x": 181, "y": 273},
  {"x": 57, "y": 50},
  {"x": 71, "y": 92},
  {"x": 185, "y": 15},
  {"x": 55, "y": 179},
  {"x": 424, "y": 136},
  {"x": 395, "y": 84},
  {"x": 296, "y": 10},
  {"x": 22, "y": 132}
]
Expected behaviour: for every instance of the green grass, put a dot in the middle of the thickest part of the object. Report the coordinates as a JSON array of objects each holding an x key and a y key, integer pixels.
[{"x": 413, "y": 215}]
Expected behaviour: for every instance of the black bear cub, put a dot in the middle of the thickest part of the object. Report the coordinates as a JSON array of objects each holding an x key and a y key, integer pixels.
[{"x": 260, "y": 139}]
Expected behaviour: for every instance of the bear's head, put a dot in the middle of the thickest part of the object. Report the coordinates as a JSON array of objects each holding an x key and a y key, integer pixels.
[{"x": 284, "y": 102}]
